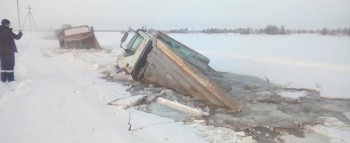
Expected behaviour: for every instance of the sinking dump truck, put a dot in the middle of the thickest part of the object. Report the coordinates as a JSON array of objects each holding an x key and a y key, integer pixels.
[
  {"x": 159, "y": 59},
  {"x": 80, "y": 37}
]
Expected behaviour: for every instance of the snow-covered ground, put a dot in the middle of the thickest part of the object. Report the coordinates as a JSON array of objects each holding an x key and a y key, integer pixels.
[
  {"x": 308, "y": 61},
  {"x": 59, "y": 97},
  {"x": 62, "y": 96}
]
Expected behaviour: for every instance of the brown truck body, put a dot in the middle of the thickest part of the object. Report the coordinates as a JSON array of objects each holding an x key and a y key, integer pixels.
[
  {"x": 159, "y": 59},
  {"x": 81, "y": 37}
]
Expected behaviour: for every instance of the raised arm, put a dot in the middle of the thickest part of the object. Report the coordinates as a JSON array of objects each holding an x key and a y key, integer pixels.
[{"x": 16, "y": 36}]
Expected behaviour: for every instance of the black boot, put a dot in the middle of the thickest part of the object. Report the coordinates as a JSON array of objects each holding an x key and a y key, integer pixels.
[
  {"x": 10, "y": 76},
  {"x": 3, "y": 76}
]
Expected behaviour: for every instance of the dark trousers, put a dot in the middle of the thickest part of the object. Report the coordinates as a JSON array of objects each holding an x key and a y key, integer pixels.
[{"x": 7, "y": 67}]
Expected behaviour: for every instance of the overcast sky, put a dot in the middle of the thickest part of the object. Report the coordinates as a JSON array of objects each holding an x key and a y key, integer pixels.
[{"x": 193, "y": 14}]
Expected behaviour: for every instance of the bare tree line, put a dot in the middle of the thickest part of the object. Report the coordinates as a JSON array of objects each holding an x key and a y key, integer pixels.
[{"x": 268, "y": 30}]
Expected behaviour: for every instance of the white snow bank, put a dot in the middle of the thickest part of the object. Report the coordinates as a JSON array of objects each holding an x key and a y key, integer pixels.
[{"x": 293, "y": 94}]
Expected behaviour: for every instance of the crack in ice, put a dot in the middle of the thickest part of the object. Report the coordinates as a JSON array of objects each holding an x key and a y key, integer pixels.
[{"x": 146, "y": 126}]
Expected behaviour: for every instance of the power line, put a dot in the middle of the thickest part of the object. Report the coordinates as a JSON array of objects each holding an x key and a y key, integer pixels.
[
  {"x": 155, "y": 12},
  {"x": 31, "y": 19}
]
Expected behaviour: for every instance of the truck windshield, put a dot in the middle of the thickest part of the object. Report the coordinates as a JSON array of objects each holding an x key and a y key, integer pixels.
[{"x": 135, "y": 43}]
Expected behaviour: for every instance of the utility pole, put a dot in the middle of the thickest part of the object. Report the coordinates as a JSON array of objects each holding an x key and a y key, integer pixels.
[
  {"x": 19, "y": 19},
  {"x": 31, "y": 19}
]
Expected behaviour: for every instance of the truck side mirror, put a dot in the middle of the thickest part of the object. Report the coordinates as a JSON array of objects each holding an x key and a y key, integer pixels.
[{"x": 125, "y": 36}]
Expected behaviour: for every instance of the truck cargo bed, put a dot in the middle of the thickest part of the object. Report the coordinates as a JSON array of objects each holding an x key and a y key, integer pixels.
[{"x": 176, "y": 66}]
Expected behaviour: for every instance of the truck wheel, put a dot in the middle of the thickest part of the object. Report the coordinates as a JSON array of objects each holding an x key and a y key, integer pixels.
[
  {"x": 137, "y": 76},
  {"x": 141, "y": 76}
]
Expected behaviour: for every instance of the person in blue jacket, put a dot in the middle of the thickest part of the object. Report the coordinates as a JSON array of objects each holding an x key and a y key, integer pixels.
[{"x": 7, "y": 50}]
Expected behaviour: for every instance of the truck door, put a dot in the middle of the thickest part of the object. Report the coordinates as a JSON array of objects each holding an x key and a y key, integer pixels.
[{"x": 134, "y": 50}]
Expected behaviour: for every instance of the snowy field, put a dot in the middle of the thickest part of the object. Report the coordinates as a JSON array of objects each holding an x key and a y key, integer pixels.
[
  {"x": 301, "y": 61},
  {"x": 60, "y": 95}
]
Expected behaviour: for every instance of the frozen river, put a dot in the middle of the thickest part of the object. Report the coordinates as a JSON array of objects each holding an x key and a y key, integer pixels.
[{"x": 302, "y": 61}]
